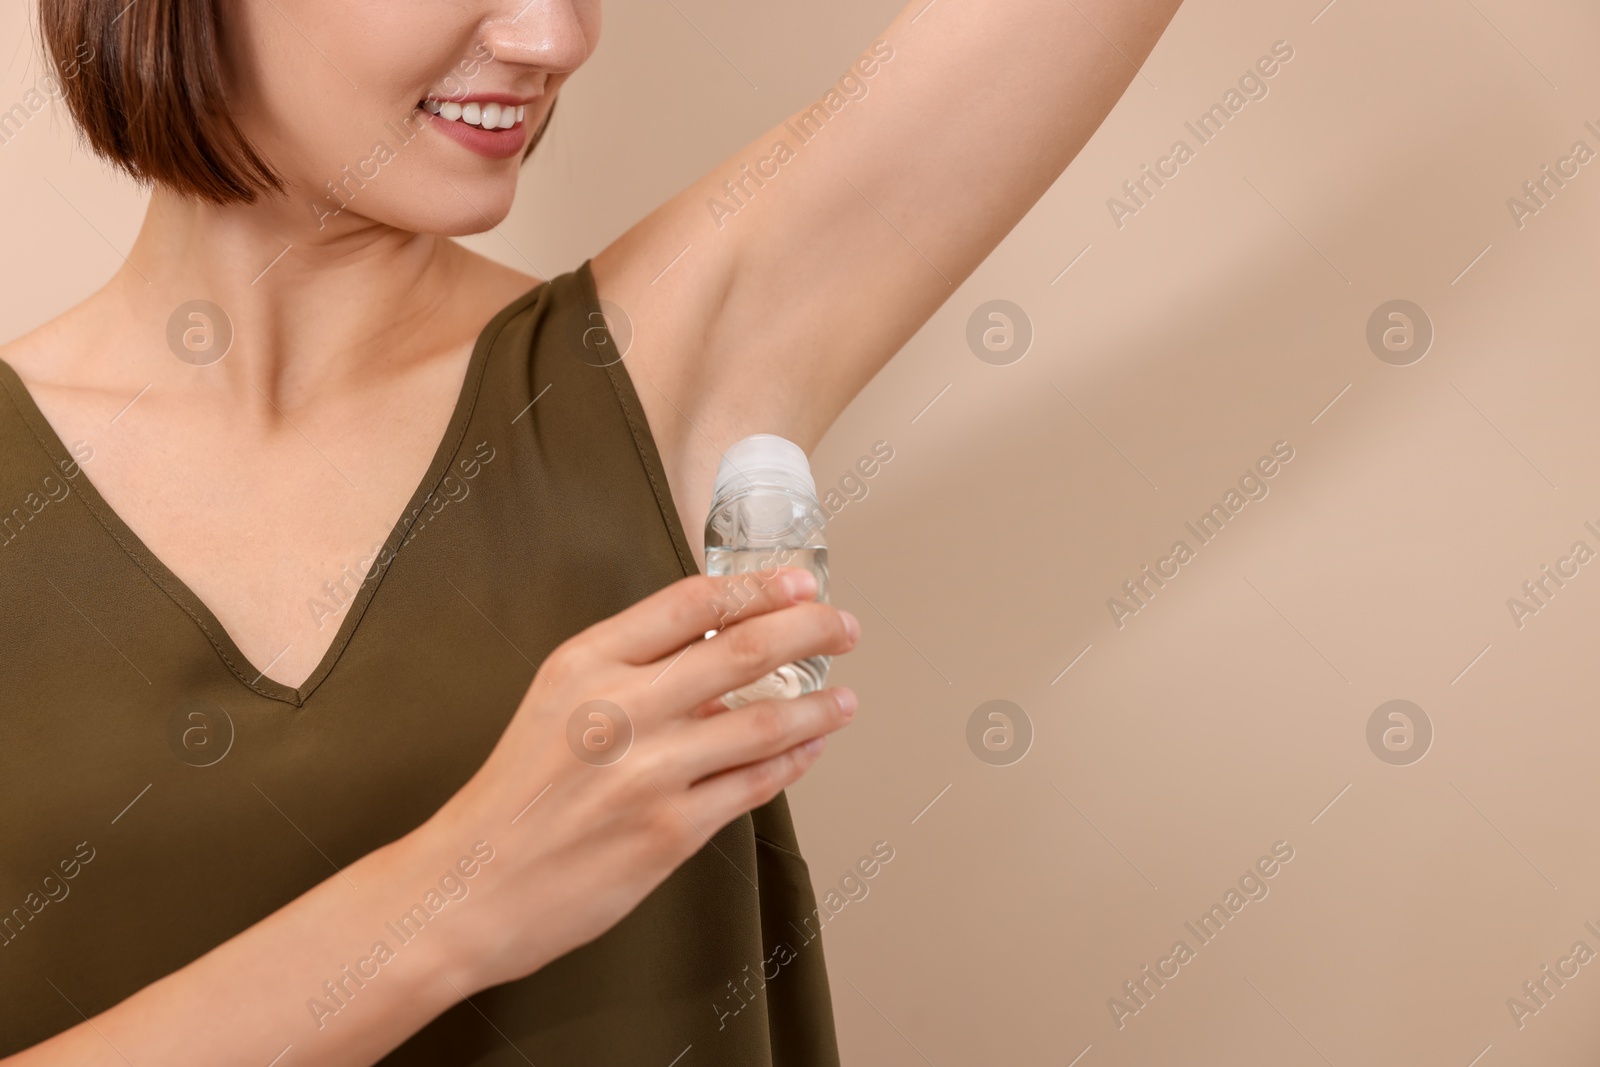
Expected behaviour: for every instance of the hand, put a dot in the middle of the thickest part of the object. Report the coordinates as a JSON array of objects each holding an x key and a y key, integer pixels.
[{"x": 599, "y": 838}]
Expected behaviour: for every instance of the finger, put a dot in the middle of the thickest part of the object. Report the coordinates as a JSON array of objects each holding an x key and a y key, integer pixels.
[
  {"x": 664, "y": 622},
  {"x": 748, "y": 650},
  {"x": 759, "y": 731},
  {"x": 724, "y": 797}
]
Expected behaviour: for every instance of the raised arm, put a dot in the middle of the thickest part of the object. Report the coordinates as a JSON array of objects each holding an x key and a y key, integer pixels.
[{"x": 820, "y": 248}]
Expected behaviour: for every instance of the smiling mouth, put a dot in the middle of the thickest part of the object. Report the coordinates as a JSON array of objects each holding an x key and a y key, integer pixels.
[{"x": 489, "y": 116}]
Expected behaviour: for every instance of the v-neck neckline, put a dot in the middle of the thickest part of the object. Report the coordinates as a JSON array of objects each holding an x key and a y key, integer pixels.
[{"x": 251, "y": 676}]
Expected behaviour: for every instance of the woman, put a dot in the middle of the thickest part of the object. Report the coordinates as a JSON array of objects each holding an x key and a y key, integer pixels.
[{"x": 290, "y": 780}]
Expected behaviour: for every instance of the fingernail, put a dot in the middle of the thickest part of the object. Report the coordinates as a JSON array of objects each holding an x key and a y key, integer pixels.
[
  {"x": 851, "y": 625},
  {"x": 814, "y": 745},
  {"x": 846, "y": 700},
  {"x": 800, "y": 584}
]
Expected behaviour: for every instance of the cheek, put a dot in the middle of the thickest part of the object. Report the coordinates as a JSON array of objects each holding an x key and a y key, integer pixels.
[
  {"x": 319, "y": 86},
  {"x": 325, "y": 91}
]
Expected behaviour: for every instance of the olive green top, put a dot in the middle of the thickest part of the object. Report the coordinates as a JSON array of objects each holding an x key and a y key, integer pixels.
[{"x": 158, "y": 794}]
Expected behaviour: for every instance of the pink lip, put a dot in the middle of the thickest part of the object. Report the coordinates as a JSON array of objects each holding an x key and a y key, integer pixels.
[{"x": 491, "y": 144}]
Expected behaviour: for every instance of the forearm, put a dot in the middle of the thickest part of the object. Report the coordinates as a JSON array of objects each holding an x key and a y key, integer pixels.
[{"x": 295, "y": 979}]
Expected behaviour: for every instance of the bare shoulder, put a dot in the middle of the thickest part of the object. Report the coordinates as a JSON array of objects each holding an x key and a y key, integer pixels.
[
  {"x": 478, "y": 271},
  {"x": 58, "y": 357}
]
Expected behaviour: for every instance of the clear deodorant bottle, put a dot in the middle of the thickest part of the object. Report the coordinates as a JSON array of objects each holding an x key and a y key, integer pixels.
[{"x": 765, "y": 515}]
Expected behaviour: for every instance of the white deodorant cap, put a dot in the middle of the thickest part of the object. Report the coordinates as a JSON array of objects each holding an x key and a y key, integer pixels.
[{"x": 764, "y": 459}]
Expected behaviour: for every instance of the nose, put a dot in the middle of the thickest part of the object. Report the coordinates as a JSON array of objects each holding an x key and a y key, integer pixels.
[{"x": 550, "y": 35}]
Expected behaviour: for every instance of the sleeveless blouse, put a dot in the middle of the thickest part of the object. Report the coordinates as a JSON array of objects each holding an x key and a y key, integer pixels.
[{"x": 159, "y": 794}]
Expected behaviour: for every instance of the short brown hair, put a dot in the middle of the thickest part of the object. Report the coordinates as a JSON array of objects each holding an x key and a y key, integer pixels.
[{"x": 144, "y": 82}]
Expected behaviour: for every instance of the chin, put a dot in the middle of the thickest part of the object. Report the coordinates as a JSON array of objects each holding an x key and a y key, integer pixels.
[
  {"x": 453, "y": 217},
  {"x": 426, "y": 196}
]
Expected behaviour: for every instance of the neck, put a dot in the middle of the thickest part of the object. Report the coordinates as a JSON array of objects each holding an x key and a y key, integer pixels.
[{"x": 307, "y": 308}]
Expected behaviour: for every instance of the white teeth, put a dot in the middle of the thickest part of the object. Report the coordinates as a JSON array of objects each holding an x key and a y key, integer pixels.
[{"x": 486, "y": 116}]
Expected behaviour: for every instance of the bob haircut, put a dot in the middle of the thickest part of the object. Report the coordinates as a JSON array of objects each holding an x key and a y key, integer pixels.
[{"x": 145, "y": 83}]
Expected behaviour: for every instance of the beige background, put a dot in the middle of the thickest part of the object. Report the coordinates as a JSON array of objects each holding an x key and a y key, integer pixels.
[{"x": 1227, "y": 715}]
